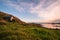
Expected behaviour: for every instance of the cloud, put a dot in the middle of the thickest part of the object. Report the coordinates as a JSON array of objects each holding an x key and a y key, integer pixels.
[
  {"x": 49, "y": 11},
  {"x": 16, "y": 6},
  {"x": 21, "y": 4}
]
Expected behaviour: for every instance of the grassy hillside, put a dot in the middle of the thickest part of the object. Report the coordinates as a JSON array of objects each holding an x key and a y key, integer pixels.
[{"x": 16, "y": 31}]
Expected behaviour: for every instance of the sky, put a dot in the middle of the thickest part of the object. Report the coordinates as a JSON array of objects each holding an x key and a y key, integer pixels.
[{"x": 32, "y": 10}]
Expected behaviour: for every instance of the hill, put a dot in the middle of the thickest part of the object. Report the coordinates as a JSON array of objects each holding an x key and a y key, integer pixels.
[
  {"x": 19, "y": 30},
  {"x": 2, "y": 15}
]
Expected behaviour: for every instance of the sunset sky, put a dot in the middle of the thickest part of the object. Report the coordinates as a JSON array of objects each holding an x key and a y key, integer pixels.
[{"x": 32, "y": 10}]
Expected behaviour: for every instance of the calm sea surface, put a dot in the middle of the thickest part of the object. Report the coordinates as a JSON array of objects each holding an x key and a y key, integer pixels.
[{"x": 51, "y": 26}]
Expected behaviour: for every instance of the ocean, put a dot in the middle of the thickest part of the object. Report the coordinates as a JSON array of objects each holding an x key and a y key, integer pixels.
[{"x": 52, "y": 26}]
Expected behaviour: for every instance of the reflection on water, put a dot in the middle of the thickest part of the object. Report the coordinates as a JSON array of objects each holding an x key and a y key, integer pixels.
[{"x": 53, "y": 26}]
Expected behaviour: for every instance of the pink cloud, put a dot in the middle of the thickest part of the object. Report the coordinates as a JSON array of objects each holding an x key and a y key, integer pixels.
[{"x": 52, "y": 12}]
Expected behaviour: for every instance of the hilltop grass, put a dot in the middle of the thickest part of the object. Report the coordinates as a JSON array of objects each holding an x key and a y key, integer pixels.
[{"x": 15, "y": 31}]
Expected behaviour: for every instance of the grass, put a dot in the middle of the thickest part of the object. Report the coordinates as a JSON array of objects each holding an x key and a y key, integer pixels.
[
  {"x": 14, "y": 31},
  {"x": 19, "y": 30}
]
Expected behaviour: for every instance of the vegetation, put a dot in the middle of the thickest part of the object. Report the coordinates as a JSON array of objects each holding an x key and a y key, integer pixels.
[
  {"x": 14, "y": 31},
  {"x": 23, "y": 31}
]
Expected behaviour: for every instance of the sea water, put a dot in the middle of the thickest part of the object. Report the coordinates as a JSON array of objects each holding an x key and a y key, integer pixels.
[{"x": 52, "y": 26}]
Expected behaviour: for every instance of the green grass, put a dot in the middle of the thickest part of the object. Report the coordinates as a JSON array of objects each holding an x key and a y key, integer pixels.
[{"x": 14, "y": 31}]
